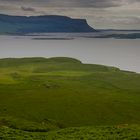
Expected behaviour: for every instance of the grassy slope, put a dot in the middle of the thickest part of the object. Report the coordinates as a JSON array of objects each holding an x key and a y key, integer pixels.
[
  {"x": 38, "y": 94},
  {"x": 79, "y": 133}
]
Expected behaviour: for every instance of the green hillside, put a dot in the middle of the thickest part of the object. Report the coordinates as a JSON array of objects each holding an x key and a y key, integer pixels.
[{"x": 61, "y": 98}]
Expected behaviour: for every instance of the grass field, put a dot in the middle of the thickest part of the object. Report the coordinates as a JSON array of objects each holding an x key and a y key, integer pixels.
[{"x": 63, "y": 99}]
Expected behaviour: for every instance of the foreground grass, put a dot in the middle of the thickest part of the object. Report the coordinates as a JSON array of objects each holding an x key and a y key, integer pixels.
[
  {"x": 81, "y": 133},
  {"x": 39, "y": 97}
]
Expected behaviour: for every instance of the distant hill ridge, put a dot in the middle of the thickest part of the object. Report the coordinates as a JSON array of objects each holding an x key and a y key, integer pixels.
[{"x": 41, "y": 24}]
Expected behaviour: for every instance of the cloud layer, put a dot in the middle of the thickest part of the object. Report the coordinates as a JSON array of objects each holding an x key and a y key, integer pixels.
[{"x": 72, "y": 3}]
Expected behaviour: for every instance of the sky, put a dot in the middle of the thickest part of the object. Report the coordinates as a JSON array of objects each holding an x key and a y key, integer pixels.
[{"x": 100, "y": 14}]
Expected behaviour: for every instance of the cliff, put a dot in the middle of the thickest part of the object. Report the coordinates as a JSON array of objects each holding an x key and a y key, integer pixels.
[{"x": 42, "y": 24}]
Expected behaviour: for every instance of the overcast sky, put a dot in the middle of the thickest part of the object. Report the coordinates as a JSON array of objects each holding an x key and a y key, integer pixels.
[{"x": 119, "y": 14}]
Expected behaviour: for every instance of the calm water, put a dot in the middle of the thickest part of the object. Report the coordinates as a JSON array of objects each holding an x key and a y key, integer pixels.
[{"x": 124, "y": 54}]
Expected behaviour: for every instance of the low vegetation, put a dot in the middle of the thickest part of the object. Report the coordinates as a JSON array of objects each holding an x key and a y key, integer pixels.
[{"x": 63, "y": 99}]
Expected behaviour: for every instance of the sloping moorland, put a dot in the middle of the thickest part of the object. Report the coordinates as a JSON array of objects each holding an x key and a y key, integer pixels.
[{"x": 63, "y": 99}]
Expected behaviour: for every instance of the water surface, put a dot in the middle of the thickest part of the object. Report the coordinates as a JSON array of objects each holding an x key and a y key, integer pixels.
[{"x": 121, "y": 53}]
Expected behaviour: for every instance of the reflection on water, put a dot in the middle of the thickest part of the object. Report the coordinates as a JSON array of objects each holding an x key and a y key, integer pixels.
[{"x": 124, "y": 54}]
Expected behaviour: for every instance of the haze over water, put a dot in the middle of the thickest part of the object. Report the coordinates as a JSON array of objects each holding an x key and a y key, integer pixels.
[{"x": 121, "y": 53}]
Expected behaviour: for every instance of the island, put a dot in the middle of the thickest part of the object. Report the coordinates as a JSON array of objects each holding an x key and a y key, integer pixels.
[{"x": 42, "y": 24}]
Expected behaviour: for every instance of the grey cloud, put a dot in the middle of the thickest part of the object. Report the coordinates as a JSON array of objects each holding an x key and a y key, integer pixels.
[
  {"x": 70, "y": 3},
  {"x": 128, "y": 20},
  {"x": 132, "y": 1},
  {"x": 120, "y": 20},
  {"x": 27, "y": 9},
  {"x": 106, "y": 3}
]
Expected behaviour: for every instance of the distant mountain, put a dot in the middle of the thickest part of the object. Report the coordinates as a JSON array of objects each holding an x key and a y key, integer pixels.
[{"x": 42, "y": 24}]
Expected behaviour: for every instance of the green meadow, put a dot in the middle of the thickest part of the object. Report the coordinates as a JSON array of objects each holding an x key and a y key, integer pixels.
[{"x": 63, "y": 99}]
